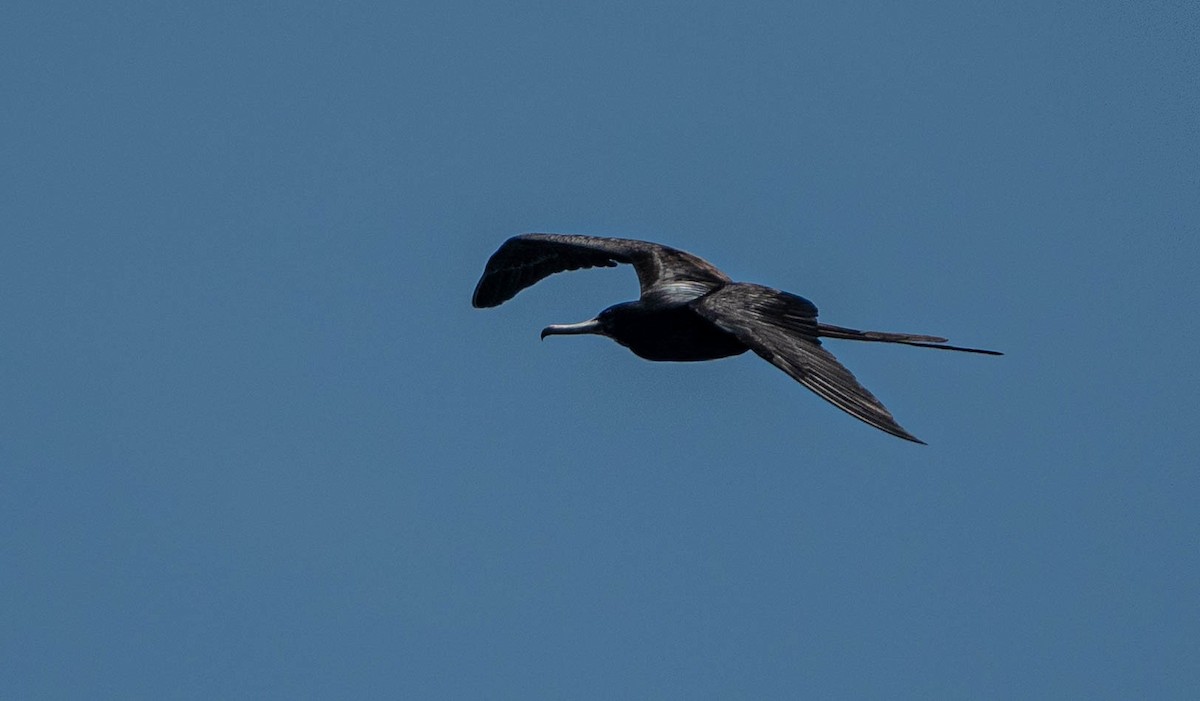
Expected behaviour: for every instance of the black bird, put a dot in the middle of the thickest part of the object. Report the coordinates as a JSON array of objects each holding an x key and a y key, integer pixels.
[{"x": 688, "y": 310}]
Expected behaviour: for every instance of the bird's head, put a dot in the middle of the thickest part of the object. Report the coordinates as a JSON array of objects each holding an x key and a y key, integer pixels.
[{"x": 601, "y": 325}]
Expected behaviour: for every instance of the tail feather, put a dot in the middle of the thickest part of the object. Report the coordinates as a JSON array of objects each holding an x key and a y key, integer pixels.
[{"x": 908, "y": 339}]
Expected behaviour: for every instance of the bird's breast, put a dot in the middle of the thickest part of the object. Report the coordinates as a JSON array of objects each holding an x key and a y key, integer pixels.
[{"x": 675, "y": 333}]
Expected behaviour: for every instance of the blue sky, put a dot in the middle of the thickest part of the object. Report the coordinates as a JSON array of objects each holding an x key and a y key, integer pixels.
[{"x": 255, "y": 443}]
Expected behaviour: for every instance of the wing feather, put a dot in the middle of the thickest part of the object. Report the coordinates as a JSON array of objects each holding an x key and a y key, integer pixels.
[
  {"x": 524, "y": 260},
  {"x": 782, "y": 328}
]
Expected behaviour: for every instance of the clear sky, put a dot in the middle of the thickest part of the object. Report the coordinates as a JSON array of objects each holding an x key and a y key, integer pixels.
[{"x": 255, "y": 443}]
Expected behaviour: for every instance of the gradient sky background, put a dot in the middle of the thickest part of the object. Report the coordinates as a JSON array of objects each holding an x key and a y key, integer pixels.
[{"x": 255, "y": 443}]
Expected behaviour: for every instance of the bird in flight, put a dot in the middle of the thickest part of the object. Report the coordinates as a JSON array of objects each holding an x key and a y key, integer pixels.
[{"x": 688, "y": 311}]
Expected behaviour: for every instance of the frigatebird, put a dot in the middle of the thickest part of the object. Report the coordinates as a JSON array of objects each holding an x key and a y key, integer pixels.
[{"x": 688, "y": 311}]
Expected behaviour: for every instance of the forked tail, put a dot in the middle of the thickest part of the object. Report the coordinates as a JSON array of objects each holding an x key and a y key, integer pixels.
[{"x": 908, "y": 339}]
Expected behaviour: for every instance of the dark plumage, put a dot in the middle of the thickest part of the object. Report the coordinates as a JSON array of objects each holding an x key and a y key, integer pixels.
[{"x": 688, "y": 310}]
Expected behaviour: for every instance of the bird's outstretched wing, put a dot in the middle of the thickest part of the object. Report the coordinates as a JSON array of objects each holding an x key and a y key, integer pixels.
[
  {"x": 782, "y": 328},
  {"x": 524, "y": 260}
]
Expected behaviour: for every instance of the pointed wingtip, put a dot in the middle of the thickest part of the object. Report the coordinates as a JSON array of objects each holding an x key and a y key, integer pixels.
[{"x": 896, "y": 430}]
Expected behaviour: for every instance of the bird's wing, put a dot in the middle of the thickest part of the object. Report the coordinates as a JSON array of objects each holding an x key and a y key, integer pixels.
[
  {"x": 782, "y": 328},
  {"x": 524, "y": 260}
]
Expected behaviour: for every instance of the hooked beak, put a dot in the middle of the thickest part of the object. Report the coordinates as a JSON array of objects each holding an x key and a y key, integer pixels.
[{"x": 589, "y": 326}]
